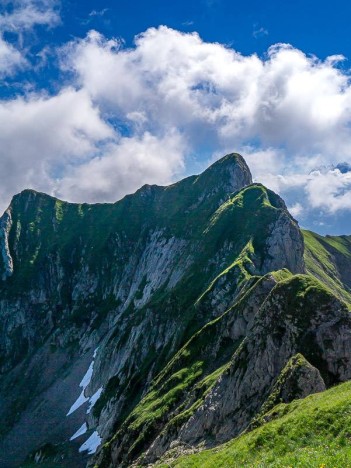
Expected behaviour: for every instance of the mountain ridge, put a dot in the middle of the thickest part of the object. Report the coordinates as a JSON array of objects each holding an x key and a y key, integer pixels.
[{"x": 160, "y": 295}]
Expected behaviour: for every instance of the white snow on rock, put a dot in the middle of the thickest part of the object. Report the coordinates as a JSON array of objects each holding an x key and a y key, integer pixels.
[
  {"x": 93, "y": 399},
  {"x": 87, "y": 377},
  {"x": 84, "y": 383},
  {"x": 82, "y": 430},
  {"x": 91, "y": 444},
  {"x": 78, "y": 403}
]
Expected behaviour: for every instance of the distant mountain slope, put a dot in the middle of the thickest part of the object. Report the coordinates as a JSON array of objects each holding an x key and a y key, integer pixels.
[
  {"x": 329, "y": 259},
  {"x": 170, "y": 318}
]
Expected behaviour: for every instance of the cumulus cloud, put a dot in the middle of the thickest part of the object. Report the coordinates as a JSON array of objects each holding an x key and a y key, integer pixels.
[
  {"x": 171, "y": 96},
  {"x": 124, "y": 167},
  {"x": 330, "y": 190},
  {"x": 215, "y": 94},
  {"x": 41, "y": 135}
]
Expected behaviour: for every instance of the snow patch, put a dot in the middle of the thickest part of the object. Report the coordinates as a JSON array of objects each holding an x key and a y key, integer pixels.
[
  {"x": 87, "y": 377},
  {"x": 93, "y": 399},
  {"x": 78, "y": 403},
  {"x": 82, "y": 430},
  {"x": 84, "y": 383},
  {"x": 91, "y": 444}
]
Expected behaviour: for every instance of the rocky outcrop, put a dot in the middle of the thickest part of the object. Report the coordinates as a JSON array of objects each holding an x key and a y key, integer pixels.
[
  {"x": 297, "y": 380},
  {"x": 5, "y": 227},
  {"x": 284, "y": 245},
  {"x": 261, "y": 339},
  {"x": 228, "y": 175},
  {"x": 298, "y": 316}
]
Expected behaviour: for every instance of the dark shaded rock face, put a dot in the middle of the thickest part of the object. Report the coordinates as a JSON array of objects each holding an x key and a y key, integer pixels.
[
  {"x": 165, "y": 318},
  {"x": 344, "y": 267},
  {"x": 298, "y": 380}
]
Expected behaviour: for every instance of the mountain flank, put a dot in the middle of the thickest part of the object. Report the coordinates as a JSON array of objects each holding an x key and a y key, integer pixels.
[{"x": 175, "y": 319}]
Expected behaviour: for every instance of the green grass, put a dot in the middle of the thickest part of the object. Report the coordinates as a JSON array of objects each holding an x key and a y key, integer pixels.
[
  {"x": 157, "y": 403},
  {"x": 314, "y": 432},
  {"x": 181, "y": 387},
  {"x": 320, "y": 261}
]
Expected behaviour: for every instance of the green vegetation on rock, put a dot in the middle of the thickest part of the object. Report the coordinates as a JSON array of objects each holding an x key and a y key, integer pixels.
[
  {"x": 309, "y": 433},
  {"x": 329, "y": 259}
]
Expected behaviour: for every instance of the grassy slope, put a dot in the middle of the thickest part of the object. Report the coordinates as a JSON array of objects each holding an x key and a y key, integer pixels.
[
  {"x": 189, "y": 374},
  {"x": 313, "y": 432},
  {"x": 320, "y": 260},
  {"x": 183, "y": 384},
  {"x": 46, "y": 229}
]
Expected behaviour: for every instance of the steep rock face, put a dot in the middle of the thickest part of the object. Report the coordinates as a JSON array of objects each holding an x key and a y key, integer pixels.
[
  {"x": 285, "y": 240},
  {"x": 297, "y": 380},
  {"x": 232, "y": 177},
  {"x": 313, "y": 322},
  {"x": 5, "y": 226},
  {"x": 238, "y": 367},
  {"x": 180, "y": 386},
  {"x": 135, "y": 279}
]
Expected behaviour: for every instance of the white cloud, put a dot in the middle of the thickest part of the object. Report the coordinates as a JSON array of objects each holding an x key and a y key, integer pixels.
[
  {"x": 19, "y": 17},
  {"x": 25, "y": 14},
  {"x": 217, "y": 96},
  {"x": 330, "y": 190},
  {"x": 11, "y": 59},
  {"x": 41, "y": 135},
  {"x": 125, "y": 166},
  {"x": 174, "y": 95},
  {"x": 295, "y": 209},
  {"x": 67, "y": 149}
]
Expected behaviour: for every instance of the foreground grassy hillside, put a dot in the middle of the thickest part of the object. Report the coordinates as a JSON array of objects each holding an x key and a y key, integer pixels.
[{"x": 313, "y": 432}]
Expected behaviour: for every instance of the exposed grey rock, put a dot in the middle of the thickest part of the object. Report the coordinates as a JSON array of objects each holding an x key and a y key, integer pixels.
[
  {"x": 319, "y": 327},
  {"x": 5, "y": 227},
  {"x": 284, "y": 246},
  {"x": 234, "y": 176},
  {"x": 299, "y": 380}
]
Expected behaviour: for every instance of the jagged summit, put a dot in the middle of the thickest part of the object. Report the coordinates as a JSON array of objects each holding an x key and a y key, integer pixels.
[
  {"x": 184, "y": 209},
  {"x": 228, "y": 162},
  {"x": 229, "y": 174}
]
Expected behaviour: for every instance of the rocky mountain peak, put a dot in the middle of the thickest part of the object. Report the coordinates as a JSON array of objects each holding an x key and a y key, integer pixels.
[{"x": 229, "y": 174}]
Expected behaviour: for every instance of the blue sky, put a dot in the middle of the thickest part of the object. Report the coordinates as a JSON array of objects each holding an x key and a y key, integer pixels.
[{"x": 98, "y": 98}]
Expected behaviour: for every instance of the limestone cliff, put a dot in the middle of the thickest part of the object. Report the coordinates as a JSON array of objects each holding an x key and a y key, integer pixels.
[{"x": 133, "y": 325}]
